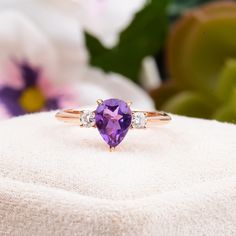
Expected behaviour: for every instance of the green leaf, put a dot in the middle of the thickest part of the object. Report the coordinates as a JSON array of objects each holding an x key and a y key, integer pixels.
[
  {"x": 144, "y": 36},
  {"x": 190, "y": 104},
  {"x": 227, "y": 80},
  {"x": 225, "y": 114},
  {"x": 228, "y": 111},
  {"x": 199, "y": 46}
]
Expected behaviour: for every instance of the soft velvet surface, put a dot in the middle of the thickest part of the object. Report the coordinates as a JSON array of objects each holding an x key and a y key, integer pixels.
[{"x": 58, "y": 179}]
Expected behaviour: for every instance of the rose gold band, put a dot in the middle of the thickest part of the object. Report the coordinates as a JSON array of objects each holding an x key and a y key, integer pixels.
[
  {"x": 158, "y": 117},
  {"x": 69, "y": 116},
  {"x": 153, "y": 118}
]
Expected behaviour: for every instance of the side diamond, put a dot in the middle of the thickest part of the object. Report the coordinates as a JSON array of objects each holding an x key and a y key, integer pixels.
[
  {"x": 87, "y": 119},
  {"x": 139, "y": 120}
]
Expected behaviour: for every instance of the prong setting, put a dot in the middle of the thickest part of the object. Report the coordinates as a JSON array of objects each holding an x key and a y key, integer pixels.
[
  {"x": 112, "y": 149},
  {"x": 99, "y": 101},
  {"x": 129, "y": 103}
]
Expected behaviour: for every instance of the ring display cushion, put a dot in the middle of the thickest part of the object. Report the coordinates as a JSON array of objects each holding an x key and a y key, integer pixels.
[{"x": 60, "y": 179}]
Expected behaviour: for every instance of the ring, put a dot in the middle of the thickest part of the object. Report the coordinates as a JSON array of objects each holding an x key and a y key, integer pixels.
[{"x": 113, "y": 118}]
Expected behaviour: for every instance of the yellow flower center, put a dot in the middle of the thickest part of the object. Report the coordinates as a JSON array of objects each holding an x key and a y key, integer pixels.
[{"x": 32, "y": 100}]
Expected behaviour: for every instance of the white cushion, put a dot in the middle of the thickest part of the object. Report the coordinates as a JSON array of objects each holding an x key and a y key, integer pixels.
[{"x": 59, "y": 179}]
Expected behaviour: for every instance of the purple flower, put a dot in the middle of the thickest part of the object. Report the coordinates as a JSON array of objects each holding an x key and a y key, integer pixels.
[{"x": 24, "y": 89}]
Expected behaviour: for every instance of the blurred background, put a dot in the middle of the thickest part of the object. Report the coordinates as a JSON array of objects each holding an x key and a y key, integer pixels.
[{"x": 177, "y": 55}]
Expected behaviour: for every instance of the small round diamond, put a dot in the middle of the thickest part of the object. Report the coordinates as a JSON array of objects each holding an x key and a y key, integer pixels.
[
  {"x": 139, "y": 120},
  {"x": 87, "y": 119}
]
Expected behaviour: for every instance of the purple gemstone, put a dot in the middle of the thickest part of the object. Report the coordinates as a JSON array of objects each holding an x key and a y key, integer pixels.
[{"x": 113, "y": 120}]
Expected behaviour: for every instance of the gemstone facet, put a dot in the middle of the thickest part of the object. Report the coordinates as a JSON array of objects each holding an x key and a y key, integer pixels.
[
  {"x": 113, "y": 120},
  {"x": 139, "y": 120},
  {"x": 87, "y": 119}
]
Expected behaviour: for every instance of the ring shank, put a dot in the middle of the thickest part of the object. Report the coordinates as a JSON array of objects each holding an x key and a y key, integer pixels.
[
  {"x": 153, "y": 118},
  {"x": 157, "y": 118},
  {"x": 69, "y": 116}
]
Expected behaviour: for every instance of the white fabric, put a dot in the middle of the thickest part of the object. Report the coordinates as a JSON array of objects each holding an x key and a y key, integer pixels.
[{"x": 58, "y": 179}]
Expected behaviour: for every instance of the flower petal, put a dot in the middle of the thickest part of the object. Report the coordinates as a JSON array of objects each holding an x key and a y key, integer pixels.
[
  {"x": 10, "y": 76},
  {"x": 21, "y": 40},
  {"x": 29, "y": 74},
  {"x": 52, "y": 104},
  {"x": 105, "y": 19},
  {"x": 3, "y": 112},
  {"x": 10, "y": 99},
  {"x": 100, "y": 85}
]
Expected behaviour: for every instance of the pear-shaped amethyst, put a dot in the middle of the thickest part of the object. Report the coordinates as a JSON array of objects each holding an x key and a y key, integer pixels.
[{"x": 113, "y": 120}]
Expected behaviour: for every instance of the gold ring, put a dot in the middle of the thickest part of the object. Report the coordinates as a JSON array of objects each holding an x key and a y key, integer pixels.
[{"x": 113, "y": 118}]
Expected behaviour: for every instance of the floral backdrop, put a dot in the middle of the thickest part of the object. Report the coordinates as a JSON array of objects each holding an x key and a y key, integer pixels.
[{"x": 178, "y": 56}]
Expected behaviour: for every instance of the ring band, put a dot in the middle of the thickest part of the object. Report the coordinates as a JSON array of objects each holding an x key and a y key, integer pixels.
[
  {"x": 73, "y": 116},
  {"x": 113, "y": 118}
]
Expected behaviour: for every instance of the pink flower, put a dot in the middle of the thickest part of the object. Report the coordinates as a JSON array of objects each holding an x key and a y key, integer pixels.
[{"x": 28, "y": 90}]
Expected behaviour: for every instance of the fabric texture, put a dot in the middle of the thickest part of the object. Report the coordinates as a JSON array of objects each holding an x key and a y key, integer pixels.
[{"x": 59, "y": 179}]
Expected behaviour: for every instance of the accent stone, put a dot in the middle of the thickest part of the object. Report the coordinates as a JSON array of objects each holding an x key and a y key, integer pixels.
[
  {"x": 87, "y": 119},
  {"x": 139, "y": 120},
  {"x": 113, "y": 120}
]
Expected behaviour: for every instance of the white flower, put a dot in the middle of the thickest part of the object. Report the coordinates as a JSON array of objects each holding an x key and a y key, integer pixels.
[
  {"x": 107, "y": 18},
  {"x": 51, "y": 36}
]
